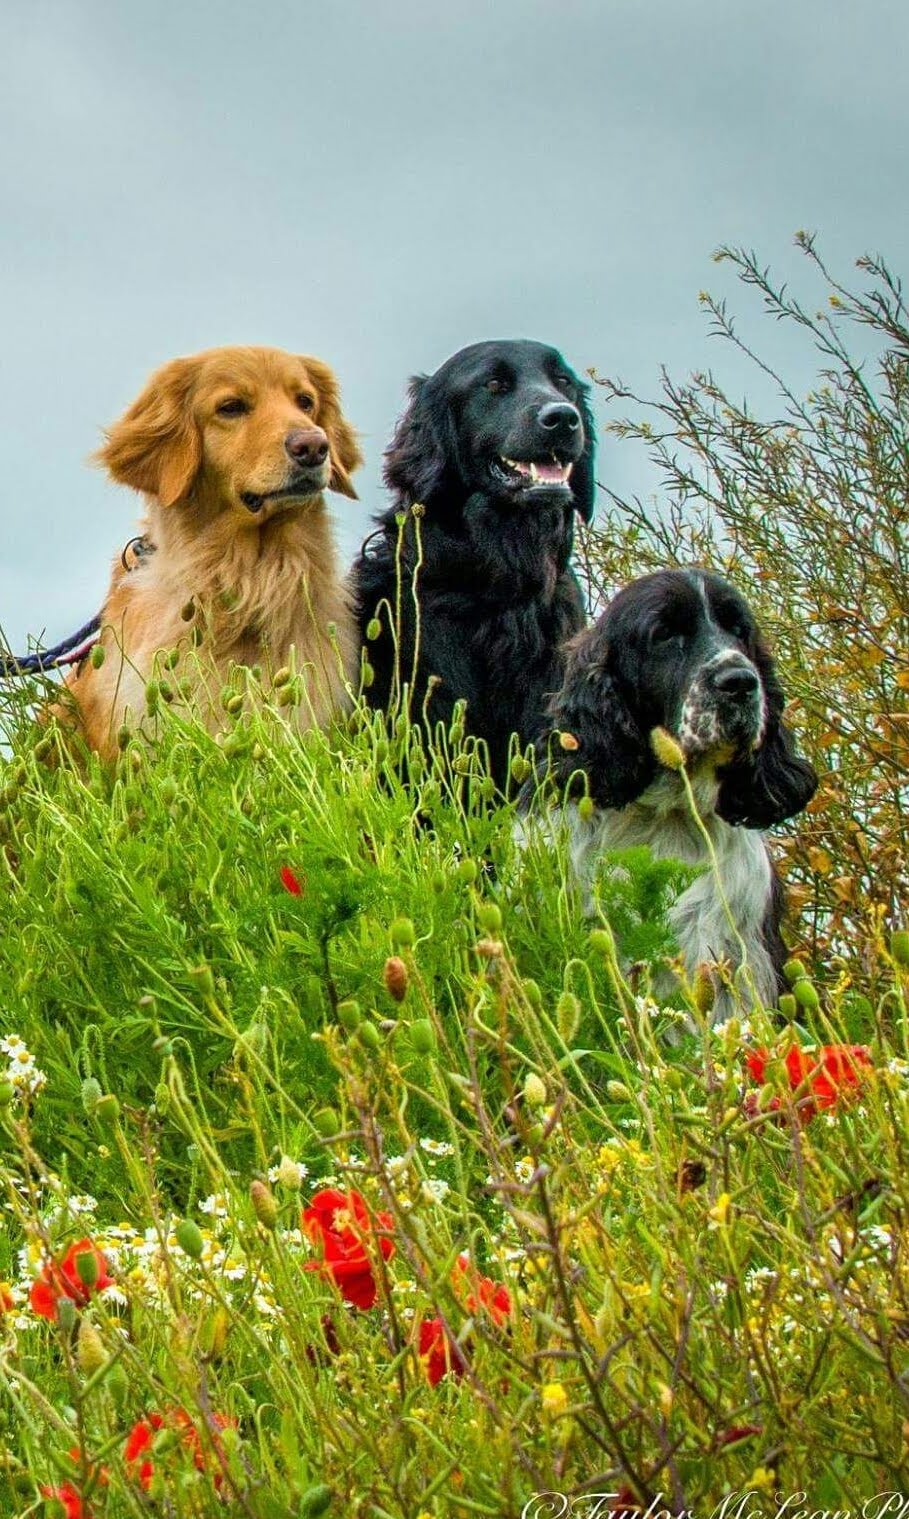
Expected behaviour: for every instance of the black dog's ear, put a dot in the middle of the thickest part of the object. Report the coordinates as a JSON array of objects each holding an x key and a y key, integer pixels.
[
  {"x": 775, "y": 782},
  {"x": 604, "y": 742},
  {"x": 421, "y": 456},
  {"x": 583, "y": 475}
]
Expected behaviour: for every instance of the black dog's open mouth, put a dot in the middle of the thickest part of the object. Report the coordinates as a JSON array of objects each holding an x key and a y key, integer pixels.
[{"x": 530, "y": 474}]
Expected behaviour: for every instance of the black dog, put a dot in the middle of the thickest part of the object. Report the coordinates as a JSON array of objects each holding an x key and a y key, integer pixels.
[
  {"x": 679, "y": 650},
  {"x": 498, "y": 448}
]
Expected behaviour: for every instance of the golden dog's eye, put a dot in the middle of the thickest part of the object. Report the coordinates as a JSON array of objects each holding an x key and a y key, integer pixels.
[
  {"x": 305, "y": 402},
  {"x": 235, "y": 407}
]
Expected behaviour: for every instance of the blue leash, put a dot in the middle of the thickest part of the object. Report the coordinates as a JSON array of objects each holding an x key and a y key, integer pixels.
[{"x": 69, "y": 652}]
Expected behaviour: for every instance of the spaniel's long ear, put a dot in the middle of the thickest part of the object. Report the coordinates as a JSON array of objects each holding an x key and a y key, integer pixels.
[
  {"x": 604, "y": 741},
  {"x": 775, "y": 782},
  {"x": 421, "y": 457},
  {"x": 156, "y": 446},
  {"x": 344, "y": 450},
  {"x": 583, "y": 475}
]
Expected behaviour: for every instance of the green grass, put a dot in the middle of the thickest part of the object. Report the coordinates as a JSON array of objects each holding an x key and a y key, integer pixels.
[{"x": 684, "y": 1256}]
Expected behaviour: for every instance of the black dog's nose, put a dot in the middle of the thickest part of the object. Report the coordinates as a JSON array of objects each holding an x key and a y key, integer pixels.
[
  {"x": 736, "y": 680},
  {"x": 559, "y": 418},
  {"x": 307, "y": 445}
]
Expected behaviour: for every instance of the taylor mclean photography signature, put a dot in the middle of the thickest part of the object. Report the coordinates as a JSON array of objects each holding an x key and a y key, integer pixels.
[{"x": 741, "y": 1503}]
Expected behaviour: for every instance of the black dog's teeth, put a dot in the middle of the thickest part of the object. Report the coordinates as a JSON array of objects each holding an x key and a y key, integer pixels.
[{"x": 532, "y": 473}]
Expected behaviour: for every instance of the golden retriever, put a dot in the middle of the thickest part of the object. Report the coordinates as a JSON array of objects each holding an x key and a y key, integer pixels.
[{"x": 233, "y": 449}]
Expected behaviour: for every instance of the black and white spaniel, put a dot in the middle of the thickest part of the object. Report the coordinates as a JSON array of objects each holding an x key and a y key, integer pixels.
[{"x": 680, "y": 650}]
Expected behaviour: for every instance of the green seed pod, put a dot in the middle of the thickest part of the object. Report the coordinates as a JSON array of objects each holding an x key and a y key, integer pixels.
[
  {"x": 316, "y": 1500},
  {"x": 234, "y": 704},
  {"x": 204, "y": 980},
  {"x": 349, "y": 1015},
  {"x": 534, "y": 1090},
  {"x": 162, "y": 1097},
  {"x": 533, "y": 993},
  {"x": 422, "y": 1036},
  {"x": 766, "y": 1097},
  {"x": 117, "y": 1384},
  {"x": 672, "y": 1078},
  {"x": 91, "y": 1354},
  {"x": 135, "y": 759},
  {"x": 281, "y": 677},
  {"x": 461, "y": 764},
  {"x": 7, "y": 1093},
  {"x": 618, "y": 1091},
  {"x": 899, "y": 946},
  {"x": 794, "y": 971},
  {"x": 107, "y": 1110},
  {"x": 703, "y": 992},
  {"x": 264, "y": 1205},
  {"x": 87, "y": 1271},
  {"x": 189, "y": 1238},
  {"x": 188, "y": 610},
  {"x": 466, "y": 872},
  {"x": 367, "y": 675},
  {"x": 373, "y": 629},
  {"x": 806, "y": 995},
  {"x": 91, "y": 1094},
  {"x": 600, "y": 939},
  {"x": 286, "y": 695},
  {"x": 123, "y": 737},
  {"x": 369, "y": 1036},
  {"x": 439, "y": 882},
  {"x": 66, "y": 1314},
  {"x": 402, "y": 933},
  {"x": 586, "y": 809},
  {"x": 520, "y": 769},
  {"x": 96, "y": 658},
  {"x": 152, "y": 693},
  {"x": 326, "y": 1122},
  {"x": 171, "y": 659},
  {"x": 568, "y": 1016},
  {"x": 787, "y": 1005},
  {"x": 489, "y": 917}
]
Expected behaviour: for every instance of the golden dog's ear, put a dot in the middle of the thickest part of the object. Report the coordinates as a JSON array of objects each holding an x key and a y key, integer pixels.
[
  {"x": 342, "y": 440},
  {"x": 156, "y": 446}
]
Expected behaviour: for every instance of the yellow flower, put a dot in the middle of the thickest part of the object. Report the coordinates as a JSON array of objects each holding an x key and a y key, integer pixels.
[
  {"x": 554, "y": 1399},
  {"x": 719, "y": 1213},
  {"x": 763, "y": 1479}
]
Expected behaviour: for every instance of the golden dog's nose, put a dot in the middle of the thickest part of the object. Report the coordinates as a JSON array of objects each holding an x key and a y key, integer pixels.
[{"x": 307, "y": 445}]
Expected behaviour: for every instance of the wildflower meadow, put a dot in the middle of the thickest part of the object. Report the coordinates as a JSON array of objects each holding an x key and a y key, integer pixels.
[{"x": 350, "y": 1167}]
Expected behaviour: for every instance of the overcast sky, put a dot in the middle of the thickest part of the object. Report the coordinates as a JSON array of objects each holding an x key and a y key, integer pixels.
[{"x": 382, "y": 181}]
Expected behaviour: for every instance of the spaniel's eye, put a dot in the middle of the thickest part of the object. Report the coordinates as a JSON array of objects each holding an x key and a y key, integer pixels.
[
  {"x": 731, "y": 621},
  {"x": 497, "y": 387},
  {"x": 665, "y": 633},
  {"x": 564, "y": 381},
  {"x": 234, "y": 407},
  {"x": 305, "y": 402}
]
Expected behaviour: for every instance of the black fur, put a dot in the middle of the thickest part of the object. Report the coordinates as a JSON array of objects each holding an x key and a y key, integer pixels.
[
  {"x": 496, "y": 596},
  {"x": 679, "y": 650}
]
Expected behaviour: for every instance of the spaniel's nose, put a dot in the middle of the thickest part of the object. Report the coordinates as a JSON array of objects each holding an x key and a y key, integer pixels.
[
  {"x": 559, "y": 420},
  {"x": 307, "y": 445},
  {"x": 736, "y": 680}
]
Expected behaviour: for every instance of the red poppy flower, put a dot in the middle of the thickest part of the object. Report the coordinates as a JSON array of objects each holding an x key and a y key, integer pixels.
[
  {"x": 833, "y": 1071},
  {"x": 437, "y": 1353},
  {"x": 486, "y": 1294},
  {"x": 59, "y": 1279},
  {"x": 73, "y": 1507},
  {"x": 340, "y": 1224},
  {"x": 7, "y": 1301},
  {"x": 291, "y": 882},
  {"x": 139, "y": 1441}
]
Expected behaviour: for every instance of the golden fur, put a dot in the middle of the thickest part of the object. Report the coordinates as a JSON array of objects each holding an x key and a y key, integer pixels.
[{"x": 243, "y": 581}]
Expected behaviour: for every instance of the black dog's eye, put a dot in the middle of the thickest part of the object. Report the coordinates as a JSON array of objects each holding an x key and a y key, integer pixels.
[
  {"x": 666, "y": 633},
  {"x": 497, "y": 387},
  {"x": 731, "y": 621},
  {"x": 305, "y": 402},
  {"x": 564, "y": 381},
  {"x": 235, "y": 407}
]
